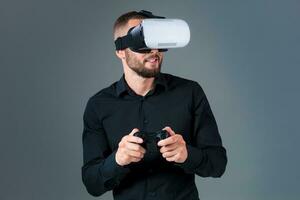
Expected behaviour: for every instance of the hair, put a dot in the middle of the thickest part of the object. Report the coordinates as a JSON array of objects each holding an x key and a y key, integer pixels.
[{"x": 121, "y": 22}]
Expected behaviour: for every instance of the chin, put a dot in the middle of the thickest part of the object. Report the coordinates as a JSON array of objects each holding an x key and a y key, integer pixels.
[{"x": 153, "y": 65}]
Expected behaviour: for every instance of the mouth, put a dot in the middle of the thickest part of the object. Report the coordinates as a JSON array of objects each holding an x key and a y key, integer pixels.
[{"x": 152, "y": 60}]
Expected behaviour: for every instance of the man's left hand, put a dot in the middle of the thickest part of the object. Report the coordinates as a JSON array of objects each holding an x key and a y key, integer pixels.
[{"x": 173, "y": 148}]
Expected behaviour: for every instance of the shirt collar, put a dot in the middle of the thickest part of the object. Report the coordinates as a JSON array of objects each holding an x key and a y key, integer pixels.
[{"x": 122, "y": 85}]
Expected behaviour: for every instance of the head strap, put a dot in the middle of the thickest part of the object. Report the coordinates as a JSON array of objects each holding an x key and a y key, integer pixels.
[
  {"x": 127, "y": 40},
  {"x": 149, "y": 14}
]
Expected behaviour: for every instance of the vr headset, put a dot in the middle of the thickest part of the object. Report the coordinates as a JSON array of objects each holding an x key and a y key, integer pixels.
[{"x": 155, "y": 32}]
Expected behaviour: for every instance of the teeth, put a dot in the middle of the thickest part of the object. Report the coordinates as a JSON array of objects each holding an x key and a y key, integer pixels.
[{"x": 151, "y": 60}]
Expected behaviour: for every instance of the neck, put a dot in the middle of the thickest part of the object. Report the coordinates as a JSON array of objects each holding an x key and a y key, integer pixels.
[{"x": 140, "y": 85}]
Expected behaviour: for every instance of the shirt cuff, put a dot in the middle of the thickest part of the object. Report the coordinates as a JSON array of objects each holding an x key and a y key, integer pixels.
[
  {"x": 193, "y": 160},
  {"x": 112, "y": 172}
]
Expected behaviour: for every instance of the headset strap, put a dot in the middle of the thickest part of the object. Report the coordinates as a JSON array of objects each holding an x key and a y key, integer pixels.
[{"x": 126, "y": 41}]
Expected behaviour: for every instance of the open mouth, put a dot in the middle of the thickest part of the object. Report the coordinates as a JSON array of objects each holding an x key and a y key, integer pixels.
[{"x": 152, "y": 59}]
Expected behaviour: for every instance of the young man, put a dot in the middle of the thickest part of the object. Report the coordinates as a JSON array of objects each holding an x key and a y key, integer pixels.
[{"x": 147, "y": 100}]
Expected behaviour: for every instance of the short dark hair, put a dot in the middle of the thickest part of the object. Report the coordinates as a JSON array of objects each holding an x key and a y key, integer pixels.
[{"x": 123, "y": 20}]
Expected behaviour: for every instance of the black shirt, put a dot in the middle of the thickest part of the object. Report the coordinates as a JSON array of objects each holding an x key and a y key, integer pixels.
[{"x": 176, "y": 102}]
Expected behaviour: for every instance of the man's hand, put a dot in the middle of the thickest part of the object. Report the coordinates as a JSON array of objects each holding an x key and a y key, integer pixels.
[
  {"x": 129, "y": 149},
  {"x": 173, "y": 148}
]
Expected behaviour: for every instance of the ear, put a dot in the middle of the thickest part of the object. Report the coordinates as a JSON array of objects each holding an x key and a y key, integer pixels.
[{"x": 120, "y": 54}]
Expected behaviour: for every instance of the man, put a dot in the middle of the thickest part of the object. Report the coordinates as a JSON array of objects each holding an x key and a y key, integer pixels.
[{"x": 145, "y": 99}]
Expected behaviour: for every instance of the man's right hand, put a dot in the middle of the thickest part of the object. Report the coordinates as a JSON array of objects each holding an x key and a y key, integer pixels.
[{"x": 129, "y": 149}]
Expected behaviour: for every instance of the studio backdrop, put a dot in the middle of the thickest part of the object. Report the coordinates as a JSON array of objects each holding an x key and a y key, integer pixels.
[{"x": 54, "y": 55}]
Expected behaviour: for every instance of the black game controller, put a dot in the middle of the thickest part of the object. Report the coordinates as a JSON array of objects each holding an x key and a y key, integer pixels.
[
  {"x": 152, "y": 137},
  {"x": 150, "y": 140}
]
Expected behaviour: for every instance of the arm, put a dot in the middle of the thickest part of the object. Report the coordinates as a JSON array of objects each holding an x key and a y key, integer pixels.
[
  {"x": 206, "y": 155},
  {"x": 100, "y": 172}
]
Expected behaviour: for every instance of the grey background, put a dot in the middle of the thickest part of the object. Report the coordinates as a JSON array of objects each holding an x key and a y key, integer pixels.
[{"x": 56, "y": 54}]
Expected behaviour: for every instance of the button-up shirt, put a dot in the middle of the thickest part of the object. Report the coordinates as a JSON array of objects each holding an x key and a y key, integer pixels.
[{"x": 176, "y": 102}]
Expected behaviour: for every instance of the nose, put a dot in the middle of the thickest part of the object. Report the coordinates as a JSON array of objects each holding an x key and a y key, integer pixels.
[{"x": 154, "y": 51}]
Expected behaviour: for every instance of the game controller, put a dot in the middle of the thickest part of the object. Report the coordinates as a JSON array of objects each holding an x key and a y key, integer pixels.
[
  {"x": 150, "y": 137},
  {"x": 150, "y": 140}
]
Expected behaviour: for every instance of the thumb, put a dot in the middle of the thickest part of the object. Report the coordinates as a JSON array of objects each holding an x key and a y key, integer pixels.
[
  {"x": 170, "y": 131},
  {"x": 134, "y": 131}
]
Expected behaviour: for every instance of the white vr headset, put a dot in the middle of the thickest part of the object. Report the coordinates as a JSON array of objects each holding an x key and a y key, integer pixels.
[{"x": 155, "y": 32}]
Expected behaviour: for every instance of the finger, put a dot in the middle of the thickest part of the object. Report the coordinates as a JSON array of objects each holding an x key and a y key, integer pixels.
[
  {"x": 135, "y": 147},
  {"x": 170, "y": 131},
  {"x": 170, "y": 140},
  {"x": 134, "y": 131},
  {"x": 135, "y": 154},
  {"x": 167, "y": 148},
  {"x": 134, "y": 159},
  {"x": 134, "y": 139},
  {"x": 173, "y": 158},
  {"x": 169, "y": 154}
]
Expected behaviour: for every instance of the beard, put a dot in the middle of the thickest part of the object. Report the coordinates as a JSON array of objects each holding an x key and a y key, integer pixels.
[{"x": 139, "y": 67}]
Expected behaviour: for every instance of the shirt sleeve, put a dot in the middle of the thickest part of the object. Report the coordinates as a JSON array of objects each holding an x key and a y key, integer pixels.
[
  {"x": 100, "y": 172},
  {"x": 206, "y": 155}
]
